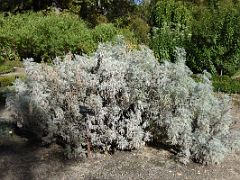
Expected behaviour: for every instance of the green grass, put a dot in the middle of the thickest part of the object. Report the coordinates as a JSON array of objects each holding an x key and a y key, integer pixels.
[
  {"x": 226, "y": 84},
  {"x": 7, "y": 80},
  {"x": 8, "y": 66}
]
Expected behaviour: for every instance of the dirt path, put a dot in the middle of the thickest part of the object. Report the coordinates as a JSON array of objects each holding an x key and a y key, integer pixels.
[
  {"x": 19, "y": 160},
  {"x": 23, "y": 161},
  {"x": 17, "y": 72}
]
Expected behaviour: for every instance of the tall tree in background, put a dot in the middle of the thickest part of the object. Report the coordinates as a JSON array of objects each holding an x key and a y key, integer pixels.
[
  {"x": 36, "y": 5},
  {"x": 94, "y": 10}
]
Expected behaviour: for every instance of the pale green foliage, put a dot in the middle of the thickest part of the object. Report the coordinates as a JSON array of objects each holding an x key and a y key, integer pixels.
[
  {"x": 88, "y": 98},
  {"x": 119, "y": 99},
  {"x": 189, "y": 116}
]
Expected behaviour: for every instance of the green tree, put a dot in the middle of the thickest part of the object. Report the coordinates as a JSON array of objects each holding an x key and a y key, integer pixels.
[
  {"x": 92, "y": 9},
  {"x": 215, "y": 39},
  {"x": 172, "y": 23}
]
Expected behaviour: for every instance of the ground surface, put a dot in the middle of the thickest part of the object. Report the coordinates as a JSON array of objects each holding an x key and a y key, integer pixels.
[
  {"x": 18, "y": 71},
  {"x": 22, "y": 160}
]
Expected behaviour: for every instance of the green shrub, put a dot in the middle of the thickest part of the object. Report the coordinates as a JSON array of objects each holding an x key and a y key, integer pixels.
[
  {"x": 172, "y": 21},
  {"x": 236, "y": 76},
  {"x": 104, "y": 32},
  {"x": 209, "y": 32},
  {"x": 215, "y": 40},
  {"x": 24, "y": 5},
  {"x": 165, "y": 40},
  {"x": 101, "y": 19},
  {"x": 140, "y": 28},
  {"x": 44, "y": 37},
  {"x": 129, "y": 36},
  {"x": 171, "y": 13},
  {"x": 41, "y": 36}
]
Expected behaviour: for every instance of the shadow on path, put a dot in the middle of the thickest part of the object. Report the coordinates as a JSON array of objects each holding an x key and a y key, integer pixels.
[{"x": 24, "y": 160}]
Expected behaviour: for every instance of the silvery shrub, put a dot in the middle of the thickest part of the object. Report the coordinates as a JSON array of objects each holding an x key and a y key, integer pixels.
[{"x": 120, "y": 98}]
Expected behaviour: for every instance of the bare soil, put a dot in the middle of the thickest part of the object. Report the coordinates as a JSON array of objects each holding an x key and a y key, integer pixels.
[{"x": 22, "y": 160}]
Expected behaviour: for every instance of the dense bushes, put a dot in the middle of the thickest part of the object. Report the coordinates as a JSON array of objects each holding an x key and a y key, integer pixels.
[
  {"x": 209, "y": 33},
  {"x": 140, "y": 28},
  {"x": 44, "y": 37},
  {"x": 23, "y": 5},
  {"x": 208, "y": 30},
  {"x": 120, "y": 99},
  {"x": 104, "y": 32},
  {"x": 215, "y": 39}
]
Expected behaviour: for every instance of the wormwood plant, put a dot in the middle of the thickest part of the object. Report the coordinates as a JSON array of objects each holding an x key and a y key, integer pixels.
[{"x": 121, "y": 99}]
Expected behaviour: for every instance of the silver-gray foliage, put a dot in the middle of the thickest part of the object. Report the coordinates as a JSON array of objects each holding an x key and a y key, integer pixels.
[{"x": 121, "y": 99}]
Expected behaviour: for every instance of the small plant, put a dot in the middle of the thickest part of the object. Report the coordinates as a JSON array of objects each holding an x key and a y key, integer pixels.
[{"x": 120, "y": 99}]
